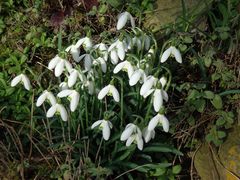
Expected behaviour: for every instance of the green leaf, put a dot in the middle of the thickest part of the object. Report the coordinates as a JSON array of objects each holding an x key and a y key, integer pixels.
[
  {"x": 208, "y": 94},
  {"x": 193, "y": 95},
  {"x": 221, "y": 121},
  {"x": 200, "y": 105},
  {"x": 221, "y": 134},
  {"x": 162, "y": 148},
  {"x": 176, "y": 169},
  {"x": 207, "y": 61},
  {"x": 217, "y": 102}
]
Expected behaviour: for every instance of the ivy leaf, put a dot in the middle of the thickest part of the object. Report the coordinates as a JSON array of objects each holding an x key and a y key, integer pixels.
[
  {"x": 176, "y": 169},
  {"x": 208, "y": 94}
]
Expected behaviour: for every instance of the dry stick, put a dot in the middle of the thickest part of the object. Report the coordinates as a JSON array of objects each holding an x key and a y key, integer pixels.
[
  {"x": 99, "y": 147},
  {"x": 221, "y": 164},
  {"x": 39, "y": 150},
  {"x": 192, "y": 161}
]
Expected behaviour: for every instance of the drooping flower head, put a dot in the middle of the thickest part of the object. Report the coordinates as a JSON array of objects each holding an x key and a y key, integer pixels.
[
  {"x": 159, "y": 119},
  {"x": 46, "y": 95},
  {"x": 73, "y": 96},
  {"x": 109, "y": 90},
  {"x": 105, "y": 126},
  {"x": 21, "y": 78},
  {"x": 123, "y": 18},
  {"x": 57, "y": 108},
  {"x": 171, "y": 51}
]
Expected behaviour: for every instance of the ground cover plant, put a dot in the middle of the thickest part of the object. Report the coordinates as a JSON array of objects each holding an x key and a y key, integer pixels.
[{"x": 88, "y": 93}]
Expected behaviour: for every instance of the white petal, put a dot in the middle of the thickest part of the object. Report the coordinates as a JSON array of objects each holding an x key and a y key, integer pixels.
[
  {"x": 26, "y": 82},
  {"x": 139, "y": 142},
  {"x": 132, "y": 21},
  {"x": 163, "y": 81},
  {"x": 165, "y": 123},
  {"x": 59, "y": 68},
  {"x": 81, "y": 57},
  {"x": 41, "y": 98},
  {"x": 113, "y": 45},
  {"x": 115, "y": 93},
  {"x": 165, "y": 95},
  {"x": 64, "y": 93},
  {"x": 87, "y": 62},
  {"x": 147, "y": 42},
  {"x": 80, "y": 42},
  {"x": 130, "y": 140},
  {"x": 103, "y": 92},
  {"x": 121, "y": 50},
  {"x": 63, "y": 112},
  {"x": 88, "y": 43},
  {"x": 135, "y": 78},
  {"x": 74, "y": 101},
  {"x": 130, "y": 69},
  {"x": 72, "y": 79},
  {"x": 166, "y": 55},
  {"x": 127, "y": 132},
  {"x": 16, "y": 80},
  {"x": 148, "y": 93},
  {"x": 103, "y": 64},
  {"x": 177, "y": 55},
  {"x": 147, "y": 134},
  {"x": 122, "y": 20},
  {"x": 114, "y": 57},
  {"x": 97, "y": 123},
  {"x": 157, "y": 100},
  {"x": 147, "y": 85},
  {"x": 51, "y": 98},
  {"x": 119, "y": 67},
  {"x": 153, "y": 122},
  {"x": 53, "y": 62},
  {"x": 105, "y": 130},
  {"x": 68, "y": 65},
  {"x": 52, "y": 111}
]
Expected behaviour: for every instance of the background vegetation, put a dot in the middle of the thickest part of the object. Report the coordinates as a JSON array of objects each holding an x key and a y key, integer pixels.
[{"x": 204, "y": 96}]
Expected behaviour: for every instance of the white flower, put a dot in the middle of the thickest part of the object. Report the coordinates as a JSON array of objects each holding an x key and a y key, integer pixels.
[
  {"x": 132, "y": 134},
  {"x": 87, "y": 61},
  {"x": 123, "y": 18},
  {"x": 125, "y": 66},
  {"x": 23, "y": 79},
  {"x": 148, "y": 135},
  {"x": 138, "y": 75},
  {"x": 109, "y": 90},
  {"x": 73, "y": 95},
  {"x": 46, "y": 95},
  {"x": 86, "y": 42},
  {"x": 105, "y": 126},
  {"x": 117, "y": 50},
  {"x": 75, "y": 52},
  {"x": 102, "y": 62},
  {"x": 63, "y": 86},
  {"x": 57, "y": 108},
  {"x": 171, "y": 51},
  {"x": 158, "y": 119},
  {"x": 103, "y": 50},
  {"x": 72, "y": 79},
  {"x": 59, "y": 64},
  {"x": 147, "y": 85}
]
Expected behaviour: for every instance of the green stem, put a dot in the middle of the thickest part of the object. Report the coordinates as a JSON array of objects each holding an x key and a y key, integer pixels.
[{"x": 233, "y": 91}]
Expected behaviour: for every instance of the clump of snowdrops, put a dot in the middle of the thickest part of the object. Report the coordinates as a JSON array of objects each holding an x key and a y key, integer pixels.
[{"x": 109, "y": 70}]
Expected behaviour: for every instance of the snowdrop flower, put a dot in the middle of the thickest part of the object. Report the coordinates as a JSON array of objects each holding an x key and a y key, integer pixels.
[
  {"x": 46, "y": 95},
  {"x": 57, "y": 108},
  {"x": 138, "y": 75},
  {"x": 117, "y": 51},
  {"x": 90, "y": 85},
  {"x": 109, "y": 90},
  {"x": 72, "y": 78},
  {"x": 74, "y": 98},
  {"x": 63, "y": 86},
  {"x": 102, "y": 62},
  {"x": 86, "y": 42},
  {"x": 172, "y": 51},
  {"x": 147, "y": 85},
  {"x": 158, "y": 119},
  {"x": 148, "y": 135},
  {"x": 23, "y": 79},
  {"x": 74, "y": 51},
  {"x": 87, "y": 61},
  {"x": 105, "y": 126},
  {"x": 59, "y": 64},
  {"x": 125, "y": 66},
  {"x": 132, "y": 134},
  {"x": 123, "y": 18},
  {"x": 103, "y": 50}
]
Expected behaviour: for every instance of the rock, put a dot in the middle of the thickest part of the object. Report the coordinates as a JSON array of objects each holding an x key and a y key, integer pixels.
[
  {"x": 167, "y": 11},
  {"x": 222, "y": 165}
]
